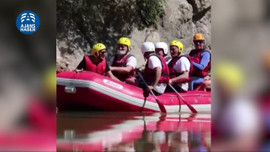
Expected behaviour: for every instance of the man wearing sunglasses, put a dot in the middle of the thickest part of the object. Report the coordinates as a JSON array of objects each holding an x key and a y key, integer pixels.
[
  {"x": 201, "y": 61},
  {"x": 96, "y": 62}
]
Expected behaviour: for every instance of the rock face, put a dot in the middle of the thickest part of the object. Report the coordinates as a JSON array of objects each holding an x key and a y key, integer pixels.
[{"x": 181, "y": 20}]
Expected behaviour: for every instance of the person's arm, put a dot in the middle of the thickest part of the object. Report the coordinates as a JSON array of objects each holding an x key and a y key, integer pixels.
[
  {"x": 205, "y": 59},
  {"x": 126, "y": 69},
  {"x": 155, "y": 63},
  {"x": 157, "y": 74},
  {"x": 81, "y": 66},
  {"x": 180, "y": 78},
  {"x": 110, "y": 75}
]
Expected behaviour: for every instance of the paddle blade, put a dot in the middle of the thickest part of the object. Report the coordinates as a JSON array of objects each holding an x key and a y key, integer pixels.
[
  {"x": 192, "y": 109},
  {"x": 161, "y": 106}
]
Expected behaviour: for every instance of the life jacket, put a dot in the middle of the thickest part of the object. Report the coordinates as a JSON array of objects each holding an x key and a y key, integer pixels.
[
  {"x": 90, "y": 66},
  {"x": 174, "y": 73},
  {"x": 167, "y": 58},
  {"x": 195, "y": 56},
  {"x": 150, "y": 73},
  {"x": 122, "y": 63}
]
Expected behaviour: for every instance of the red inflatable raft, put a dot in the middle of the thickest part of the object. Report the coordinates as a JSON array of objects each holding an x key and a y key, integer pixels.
[{"x": 88, "y": 89}]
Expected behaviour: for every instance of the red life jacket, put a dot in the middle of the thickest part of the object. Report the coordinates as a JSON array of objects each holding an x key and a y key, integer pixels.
[
  {"x": 173, "y": 73},
  {"x": 195, "y": 56},
  {"x": 90, "y": 66},
  {"x": 122, "y": 63},
  {"x": 150, "y": 73}
]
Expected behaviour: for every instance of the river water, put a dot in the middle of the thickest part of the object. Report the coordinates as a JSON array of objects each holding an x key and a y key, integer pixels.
[{"x": 133, "y": 132}]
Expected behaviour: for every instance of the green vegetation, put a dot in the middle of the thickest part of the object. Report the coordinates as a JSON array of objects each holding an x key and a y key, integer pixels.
[{"x": 106, "y": 20}]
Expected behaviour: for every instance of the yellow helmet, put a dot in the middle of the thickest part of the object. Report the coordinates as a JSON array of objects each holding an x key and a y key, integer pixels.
[
  {"x": 124, "y": 41},
  {"x": 230, "y": 74},
  {"x": 178, "y": 44},
  {"x": 198, "y": 36},
  {"x": 98, "y": 47}
]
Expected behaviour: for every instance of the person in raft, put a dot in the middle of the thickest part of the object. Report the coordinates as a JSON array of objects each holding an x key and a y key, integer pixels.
[
  {"x": 156, "y": 72},
  {"x": 96, "y": 62},
  {"x": 201, "y": 61},
  {"x": 123, "y": 64},
  {"x": 161, "y": 49},
  {"x": 179, "y": 67}
]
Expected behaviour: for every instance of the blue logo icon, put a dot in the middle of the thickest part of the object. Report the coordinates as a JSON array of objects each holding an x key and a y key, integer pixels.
[{"x": 27, "y": 22}]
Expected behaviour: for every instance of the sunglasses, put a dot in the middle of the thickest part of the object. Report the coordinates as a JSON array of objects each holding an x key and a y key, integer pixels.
[
  {"x": 199, "y": 41},
  {"x": 102, "y": 52}
]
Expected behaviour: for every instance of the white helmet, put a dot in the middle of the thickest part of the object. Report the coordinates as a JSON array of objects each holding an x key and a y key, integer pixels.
[
  {"x": 147, "y": 47},
  {"x": 162, "y": 45}
]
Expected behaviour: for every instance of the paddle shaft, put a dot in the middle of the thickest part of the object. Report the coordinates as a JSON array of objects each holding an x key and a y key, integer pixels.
[
  {"x": 160, "y": 105},
  {"x": 192, "y": 109},
  {"x": 143, "y": 104}
]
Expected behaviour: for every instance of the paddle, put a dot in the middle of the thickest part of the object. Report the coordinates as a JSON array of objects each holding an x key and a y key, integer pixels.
[
  {"x": 160, "y": 105},
  {"x": 143, "y": 103},
  {"x": 192, "y": 109}
]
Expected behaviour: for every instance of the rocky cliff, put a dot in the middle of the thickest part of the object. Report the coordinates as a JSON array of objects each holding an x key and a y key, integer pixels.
[{"x": 78, "y": 27}]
